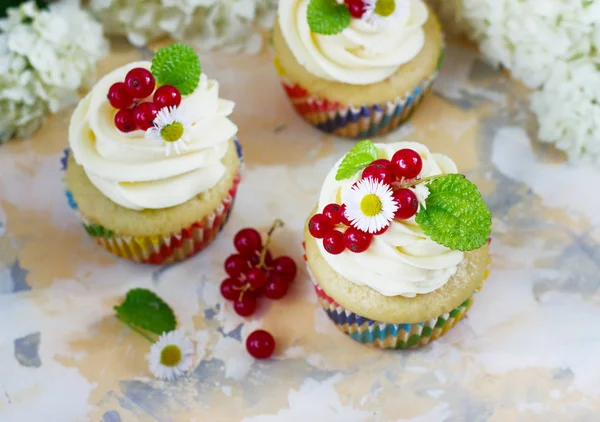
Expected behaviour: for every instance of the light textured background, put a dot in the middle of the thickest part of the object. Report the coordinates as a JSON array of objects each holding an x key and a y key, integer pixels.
[{"x": 528, "y": 350}]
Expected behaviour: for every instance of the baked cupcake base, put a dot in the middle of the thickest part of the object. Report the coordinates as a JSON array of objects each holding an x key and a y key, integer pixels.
[
  {"x": 386, "y": 335},
  {"x": 395, "y": 322},
  {"x": 184, "y": 238},
  {"x": 360, "y": 111}
]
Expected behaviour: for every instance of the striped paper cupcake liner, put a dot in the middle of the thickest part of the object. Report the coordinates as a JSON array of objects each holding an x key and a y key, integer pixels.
[
  {"x": 161, "y": 249},
  {"x": 355, "y": 121},
  {"x": 385, "y": 335}
]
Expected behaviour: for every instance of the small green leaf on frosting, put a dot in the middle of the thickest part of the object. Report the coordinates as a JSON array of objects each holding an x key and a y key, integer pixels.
[
  {"x": 455, "y": 214},
  {"x": 327, "y": 17},
  {"x": 144, "y": 309},
  {"x": 177, "y": 65},
  {"x": 359, "y": 157}
]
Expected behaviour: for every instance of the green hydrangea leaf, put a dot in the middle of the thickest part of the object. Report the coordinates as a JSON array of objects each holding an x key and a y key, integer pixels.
[
  {"x": 455, "y": 214},
  {"x": 143, "y": 309},
  {"x": 327, "y": 17},
  {"x": 359, "y": 157},
  {"x": 177, "y": 65}
]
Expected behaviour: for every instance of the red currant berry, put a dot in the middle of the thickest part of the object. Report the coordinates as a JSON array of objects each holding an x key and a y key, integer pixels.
[
  {"x": 167, "y": 96},
  {"x": 260, "y": 344},
  {"x": 382, "y": 162},
  {"x": 319, "y": 225},
  {"x": 255, "y": 259},
  {"x": 140, "y": 82},
  {"x": 248, "y": 242},
  {"x": 144, "y": 114},
  {"x": 407, "y": 203},
  {"x": 256, "y": 278},
  {"x": 246, "y": 306},
  {"x": 276, "y": 288},
  {"x": 236, "y": 265},
  {"x": 124, "y": 120},
  {"x": 286, "y": 266},
  {"x": 407, "y": 163},
  {"x": 378, "y": 173},
  {"x": 118, "y": 96},
  {"x": 356, "y": 7},
  {"x": 333, "y": 212},
  {"x": 382, "y": 231},
  {"x": 334, "y": 242},
  {"x": 230, "y": 289},
  {"x": 345, "y": 220},
  {"x": 356, "y": 240}
]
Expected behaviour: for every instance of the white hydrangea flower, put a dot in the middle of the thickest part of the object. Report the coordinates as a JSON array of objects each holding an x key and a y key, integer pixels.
[
  {"x": 212, "y": 23},
  {"x": 553, "y": 47},
  {"x": 45, "y": 57}
]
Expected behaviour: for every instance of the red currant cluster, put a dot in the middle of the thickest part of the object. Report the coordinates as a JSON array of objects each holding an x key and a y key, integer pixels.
[
  {"x": 127, "y": 98},
  {"x": 357, "y": 8},
  {"x": 406, "y": 164},
  {"x": 253, "y": 273}
]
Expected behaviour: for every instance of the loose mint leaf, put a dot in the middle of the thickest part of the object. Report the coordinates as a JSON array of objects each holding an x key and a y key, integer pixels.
[
  {"x": 144, "y": 309},
  {"x": 455, "y": 214},
  {"x": 177, "y": 65},
  {"x": 359, "y": 157},
  {"x": 327, "y": 17}
]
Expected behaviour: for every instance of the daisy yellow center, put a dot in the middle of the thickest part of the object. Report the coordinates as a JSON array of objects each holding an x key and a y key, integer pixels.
[
  {"x": 170, "y": 355},
  {"x": 371, "y": 205},
  {"x": 172, "y": 132},
  {"x": 385, "y": 7}
]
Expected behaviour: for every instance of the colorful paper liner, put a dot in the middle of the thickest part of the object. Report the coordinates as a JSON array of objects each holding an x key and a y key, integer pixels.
[
  {"x": 385, "y": 335},
  {"x": 355, "y": 121},
  {"x": 161, "y": 249}
]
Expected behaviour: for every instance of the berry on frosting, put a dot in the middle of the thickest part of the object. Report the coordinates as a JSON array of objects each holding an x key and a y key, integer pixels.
[
  {"x": 334, "y": 213},
  {"x": 319, "y": 225},
  {"x": 118, "y": 97},
  {"x": 144, "y": 114},
  {"x": 140, "y": 83},
  {"x": 407, "y": 164},
  {"x": 356, "y": 240},
  {"x": 333, "y": 242},
  {"x": 124, "y": 120},
  {"x": 379, "y": 170},
  {"x": 407, "y": 203},
  {"x": 167, "y": 96},
  {"x": 357, "y": 8}
]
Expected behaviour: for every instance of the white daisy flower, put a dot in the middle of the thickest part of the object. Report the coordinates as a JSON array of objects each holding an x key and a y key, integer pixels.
[
  {"x": 170, "y": 126},
  {"x": 370, "y": 206},
  {"x": 385, "y": 13},
  {"x": 171, "y": 356}
]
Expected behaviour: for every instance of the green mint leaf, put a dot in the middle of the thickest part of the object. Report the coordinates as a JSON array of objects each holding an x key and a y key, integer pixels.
[
  {"x": 144, "y": 309},
  {"x": 177, "y": 65},
  {"x": 327, "y": 17},
  {"x": 359, "y": 157},
  {"x": 455, "y": 214}
]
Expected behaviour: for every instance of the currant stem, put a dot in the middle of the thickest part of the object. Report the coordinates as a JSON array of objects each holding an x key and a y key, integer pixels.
[
  {"x": 419, "y": 181},
  {"x": 137, "y": 330},
  {"x": 278, "y": 223}
]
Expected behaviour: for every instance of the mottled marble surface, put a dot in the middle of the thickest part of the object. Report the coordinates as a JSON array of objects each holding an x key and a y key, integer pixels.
[{"x": 528, "y": 351}]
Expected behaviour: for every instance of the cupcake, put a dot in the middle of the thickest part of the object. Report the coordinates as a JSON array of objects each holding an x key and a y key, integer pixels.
[
  {"x": 154, "y": 162},
  {"x": 356, "y": 68},
  {"x": 398, "y": 244}
]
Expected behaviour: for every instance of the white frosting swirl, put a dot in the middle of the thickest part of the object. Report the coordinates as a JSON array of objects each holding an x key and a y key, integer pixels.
[
  {"x": 402, "y": 261},
  {"x": 134, "y": 172},
  {"x": 362, "y": 53}
]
